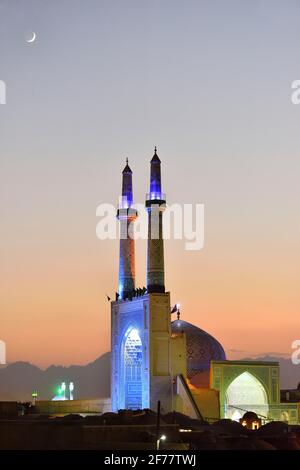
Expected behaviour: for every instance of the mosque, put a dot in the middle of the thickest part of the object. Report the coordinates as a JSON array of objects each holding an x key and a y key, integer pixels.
[{"x": 154, "y": 358}]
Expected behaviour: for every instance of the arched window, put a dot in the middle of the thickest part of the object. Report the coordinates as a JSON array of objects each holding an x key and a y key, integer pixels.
[
  {"x": 246, "y": 393},
  {"x": 133, "y": 370}
]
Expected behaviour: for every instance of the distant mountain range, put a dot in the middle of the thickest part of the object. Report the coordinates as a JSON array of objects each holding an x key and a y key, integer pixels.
[{"x": 18, "y": 380}]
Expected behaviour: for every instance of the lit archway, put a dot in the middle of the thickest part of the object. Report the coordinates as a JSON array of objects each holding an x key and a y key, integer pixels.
[
  {"x": 246, "y": 393},
  {"x": 133, "y": 370}
]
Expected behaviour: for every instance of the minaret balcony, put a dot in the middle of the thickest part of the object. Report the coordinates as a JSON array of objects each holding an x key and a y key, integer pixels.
[
  {"x": 127, "y": 213},
  {"x": 155, "y": 198}
]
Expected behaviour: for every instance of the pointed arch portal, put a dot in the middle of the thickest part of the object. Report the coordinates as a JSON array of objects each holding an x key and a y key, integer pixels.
[
  {"x": 245, "y": 393},
  {"x": 133, "y": 370}
]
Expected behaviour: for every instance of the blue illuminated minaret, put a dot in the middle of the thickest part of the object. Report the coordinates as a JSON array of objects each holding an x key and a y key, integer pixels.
[
  {"x": 126, "y": 215},
  {"x": 127, "y": 193},
  {"x": 155, "y": 177},
  {"x": 155, "y": 204}
]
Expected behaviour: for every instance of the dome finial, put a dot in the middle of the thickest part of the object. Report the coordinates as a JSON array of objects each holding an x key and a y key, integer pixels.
[{"x": 178, "y": 314}]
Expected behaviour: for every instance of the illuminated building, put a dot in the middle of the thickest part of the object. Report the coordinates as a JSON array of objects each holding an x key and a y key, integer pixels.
[
  {"x": 250, "y": 386},
  {"x": 251, "y": 421},
  {"x": 140, "y": 324},
  {"x": 176, "y": 362}
]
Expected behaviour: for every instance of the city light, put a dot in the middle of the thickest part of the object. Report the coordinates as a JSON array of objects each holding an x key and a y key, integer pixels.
[
  {"x": 71, "y": 388},
  {"x": 163, "y": 437}
]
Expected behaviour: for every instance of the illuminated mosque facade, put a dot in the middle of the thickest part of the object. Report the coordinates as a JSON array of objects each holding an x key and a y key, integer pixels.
[{"x": 154, "y": 358}]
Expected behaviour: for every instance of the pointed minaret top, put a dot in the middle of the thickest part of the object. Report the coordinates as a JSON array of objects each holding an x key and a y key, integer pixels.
[
  {"x": 155, "y": 156},
  {"x": 127, "y": 168}
]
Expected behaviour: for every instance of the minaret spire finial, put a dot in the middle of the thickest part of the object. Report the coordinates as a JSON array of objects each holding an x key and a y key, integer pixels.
[
  {"x": 126, "y": 160},
  {"x": 155, "y": 149}
]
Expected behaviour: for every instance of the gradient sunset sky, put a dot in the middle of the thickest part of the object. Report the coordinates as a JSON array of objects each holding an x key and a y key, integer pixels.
[{"x": 209, "y": 83}]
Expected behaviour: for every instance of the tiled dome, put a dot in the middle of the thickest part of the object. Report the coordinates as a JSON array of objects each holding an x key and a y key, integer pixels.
[{"x": 201, "y": 347}]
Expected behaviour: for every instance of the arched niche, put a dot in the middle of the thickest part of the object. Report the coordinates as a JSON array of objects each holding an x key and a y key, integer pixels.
[
  {"x": 246, "y": 393},
  {"x": 132, "y": 360}
]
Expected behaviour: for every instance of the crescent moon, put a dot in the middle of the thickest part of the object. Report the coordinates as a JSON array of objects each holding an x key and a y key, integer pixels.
[{"x": 32, "y": 39}]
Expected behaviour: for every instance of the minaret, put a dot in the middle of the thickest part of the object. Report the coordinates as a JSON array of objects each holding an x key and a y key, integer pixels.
[
  {"x": 155, "y": 204},
  {"x": 141, "y": 344},
  {"x": 126, "y": 215}
]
